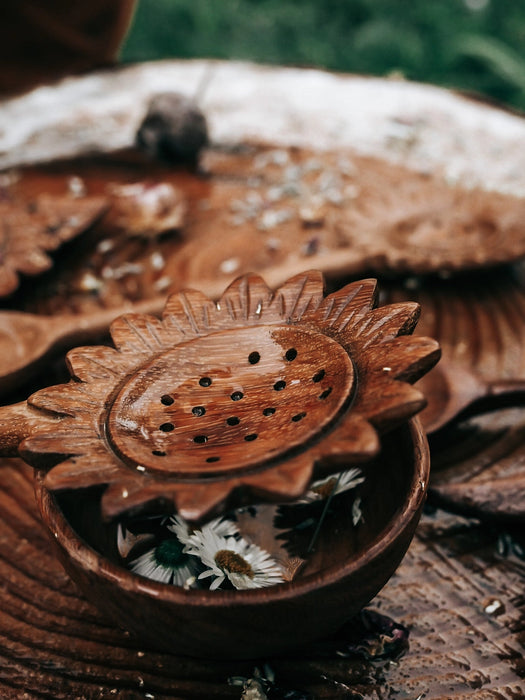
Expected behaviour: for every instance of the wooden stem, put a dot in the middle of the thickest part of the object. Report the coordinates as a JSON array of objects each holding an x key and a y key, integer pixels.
[{"x": 18, "y": 422}]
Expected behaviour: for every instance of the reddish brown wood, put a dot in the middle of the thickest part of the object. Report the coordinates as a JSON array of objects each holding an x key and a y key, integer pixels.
[
  {"x": 479, "y": 322},
  {"x": 478, "y": 466},
  {"x": 247, "y": 397},
  {"x": 19, "y": 421},
  {"x": 31, "y": 228},
  {"x": 254, "y": 211},
  {"x": 29, "y": 341},
  {"x": 348, "y": 216},
  {"x": 347, "y": 567},
  {"x": 52, "y": 642}
]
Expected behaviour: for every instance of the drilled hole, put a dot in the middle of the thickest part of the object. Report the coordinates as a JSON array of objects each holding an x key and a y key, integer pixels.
[
  {"x": 298, "y": 417},
  {"x": 325, "y": 393},
  {"x": 200, "y": 439},
  {"x": 268, "y": 411},
  {"x": 198, "y": 410},
  {"x": 158, "y": 453},
  {"x": 167, "y": 400},
  {"x": 251, "y": 437},
  {"x": 205, "y": 381},
  {"x": 254, "y": 357},
  {"x": 319, "y": 376},
  {"x": 213, "y": 459},
  {"x": 280, "y": 385},
  {"x": 167, "y": 427},
  {"x": 233, "y": 420},
  {"x": 291, "y": 354},
  {"x": 236, "y": 396}
]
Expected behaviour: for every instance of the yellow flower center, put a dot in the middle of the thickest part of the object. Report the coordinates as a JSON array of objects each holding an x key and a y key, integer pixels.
[
  {"x": 233, "y": 562},
  {"x": 325, "y": 490}
]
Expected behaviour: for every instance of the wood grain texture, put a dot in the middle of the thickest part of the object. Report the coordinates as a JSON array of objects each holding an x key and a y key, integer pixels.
[
  {"x": 478, "y": 466},
  {"x": 343, "y": 570},
  {"x": 306, "y": 212},
  {"x": 53, "y": 644},
  {"x": 30, "y": 229},
  {"x": 244, "y": 399},
  {"x": 477, "y": 392},
  {"x": 479, "y": 322}
]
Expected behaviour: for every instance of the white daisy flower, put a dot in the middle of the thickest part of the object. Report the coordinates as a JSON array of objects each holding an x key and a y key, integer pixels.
[
  {"x": 165, "y": 563},
  {"x": 245, "y": 565},
  {"x": 333, "y": 485},
  {"x": 191, "y": 537}
]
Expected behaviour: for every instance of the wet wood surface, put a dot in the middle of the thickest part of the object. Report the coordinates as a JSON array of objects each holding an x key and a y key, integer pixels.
[{"x": 459, "y": 591}]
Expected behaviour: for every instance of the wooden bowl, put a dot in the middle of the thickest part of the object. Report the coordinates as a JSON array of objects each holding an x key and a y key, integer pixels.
[{"x": 347, "y": 568}]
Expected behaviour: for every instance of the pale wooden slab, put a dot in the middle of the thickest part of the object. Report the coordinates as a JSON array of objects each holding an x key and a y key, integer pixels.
[{"x": 424, "y": 127}]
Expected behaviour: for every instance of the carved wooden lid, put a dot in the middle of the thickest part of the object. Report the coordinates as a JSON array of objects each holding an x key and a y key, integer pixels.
[{"x": 235, "y": 401}]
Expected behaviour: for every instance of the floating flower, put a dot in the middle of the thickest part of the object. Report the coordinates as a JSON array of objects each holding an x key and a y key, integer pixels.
[
  {"x": 332, "y": 485},
  {"x": 243, "y": 564},
  {"x": 188, "y": 535},
  {"x": 220, "y": 404},
  {"x": 166, "y": 563}
]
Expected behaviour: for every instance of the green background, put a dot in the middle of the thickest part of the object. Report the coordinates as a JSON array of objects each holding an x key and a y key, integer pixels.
[{"x": 474, "y": 45}]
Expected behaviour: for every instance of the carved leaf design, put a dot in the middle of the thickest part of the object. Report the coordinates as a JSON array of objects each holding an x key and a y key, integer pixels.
[
  {"x": 243, "y": 399},
  {"x": 29, "y": 230}
]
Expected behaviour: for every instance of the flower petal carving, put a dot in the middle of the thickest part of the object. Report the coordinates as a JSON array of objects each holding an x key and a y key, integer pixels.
[{"x": 233, "y": 402}]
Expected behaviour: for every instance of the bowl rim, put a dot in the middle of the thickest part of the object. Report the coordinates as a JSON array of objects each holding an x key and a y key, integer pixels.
[{"x": 93, "y": 562}]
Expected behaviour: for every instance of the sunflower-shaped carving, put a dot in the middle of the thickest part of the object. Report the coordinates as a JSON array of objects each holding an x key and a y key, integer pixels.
[{"x": 244, "y": 399}]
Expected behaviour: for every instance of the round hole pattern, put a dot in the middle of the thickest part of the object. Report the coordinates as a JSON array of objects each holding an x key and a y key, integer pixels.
[
  {"x": 319, "y": 376},
  {"x": 298, "y": 417},
  {"x": 254, "y": 357},
  {"x": 194, "y": 386}
]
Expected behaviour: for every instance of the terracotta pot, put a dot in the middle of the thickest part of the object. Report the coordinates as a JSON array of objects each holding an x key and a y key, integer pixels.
[{"x": 346, "y": 570}]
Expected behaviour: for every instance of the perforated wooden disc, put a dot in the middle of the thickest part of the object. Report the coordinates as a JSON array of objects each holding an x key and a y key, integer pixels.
[{"x": 227, "y": 401}]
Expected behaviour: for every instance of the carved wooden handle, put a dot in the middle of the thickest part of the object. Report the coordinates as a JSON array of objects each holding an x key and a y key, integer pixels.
[
  {"x": 27, "y": 340},
  {"x": 18, "y": 422}
]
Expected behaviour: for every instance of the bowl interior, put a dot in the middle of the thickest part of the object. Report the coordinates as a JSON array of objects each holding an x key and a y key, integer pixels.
[{"x": 325, "y": 537}]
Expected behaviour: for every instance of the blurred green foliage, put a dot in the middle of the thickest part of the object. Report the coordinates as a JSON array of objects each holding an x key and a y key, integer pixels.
[{"x": 474, "y": 45}]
